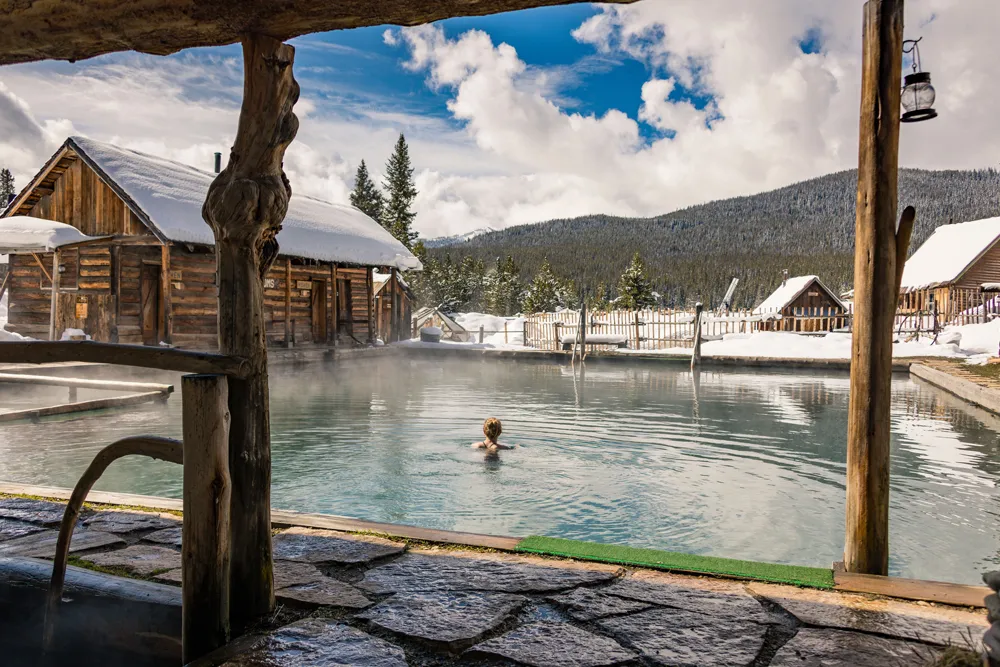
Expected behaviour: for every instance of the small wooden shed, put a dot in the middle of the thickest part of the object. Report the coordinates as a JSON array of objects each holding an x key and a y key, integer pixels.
[
  {"x": 947, "y": 270},
  {"x": 432, "y": 317},
  {"x": 393, "y": 306},
  {"x": 802, "y": 303},
  {"x": 149, "y": 277}
]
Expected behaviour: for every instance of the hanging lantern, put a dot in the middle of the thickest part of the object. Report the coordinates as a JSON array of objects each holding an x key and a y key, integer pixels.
[{"x": 918, "y": 94}]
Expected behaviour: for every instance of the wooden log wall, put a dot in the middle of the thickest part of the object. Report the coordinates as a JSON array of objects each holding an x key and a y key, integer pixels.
[
  {"x": 304, "y": 275},
  {"x": 194, "y": 298},
  {"x": 129, "y": 272},
  {"x": 77, "y": 196}
]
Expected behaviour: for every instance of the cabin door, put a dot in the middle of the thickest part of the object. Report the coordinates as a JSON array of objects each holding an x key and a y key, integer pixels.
[
  {"x": 152, "y": 306},
  {"x": 318, "y": 311},
  {"x": 344, "y": 309}
]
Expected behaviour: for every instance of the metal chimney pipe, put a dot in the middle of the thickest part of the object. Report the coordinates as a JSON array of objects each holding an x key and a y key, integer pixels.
[{"x": 218, "y": 162}]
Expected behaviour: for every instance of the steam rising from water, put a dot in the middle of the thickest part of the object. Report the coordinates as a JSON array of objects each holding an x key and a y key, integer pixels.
[{"x": 741, "y": 464}]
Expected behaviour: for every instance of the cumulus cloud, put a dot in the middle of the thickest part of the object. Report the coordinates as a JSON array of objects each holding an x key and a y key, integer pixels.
[{"x": 733, "y": 103}]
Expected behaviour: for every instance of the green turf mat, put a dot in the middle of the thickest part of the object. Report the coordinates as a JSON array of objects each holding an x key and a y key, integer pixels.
[{"x": 799, "y": 575}]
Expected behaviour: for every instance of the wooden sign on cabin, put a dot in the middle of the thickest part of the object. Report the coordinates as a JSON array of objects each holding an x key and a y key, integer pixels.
[
  {"x": 268, "y": 283},
  {"x": 81, "y": 308},
  {"x": 304, "y": 285},
  {"x": 175, "y": 275}
]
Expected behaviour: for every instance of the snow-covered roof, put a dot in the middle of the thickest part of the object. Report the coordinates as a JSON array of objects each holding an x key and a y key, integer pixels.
[
  {"x": 785, "y": 294},
  {"x": 22, "y": 233},
  {"x": 169, "y": 196},
  {"x": 948, "y": 252}
]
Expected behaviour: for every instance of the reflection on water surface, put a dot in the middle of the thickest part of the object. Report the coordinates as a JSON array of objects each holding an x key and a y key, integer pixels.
[{"x": 742, "y": 463}]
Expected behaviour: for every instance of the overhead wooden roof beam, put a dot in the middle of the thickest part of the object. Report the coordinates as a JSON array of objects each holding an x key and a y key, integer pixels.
[{"x": 33, "y": 30}]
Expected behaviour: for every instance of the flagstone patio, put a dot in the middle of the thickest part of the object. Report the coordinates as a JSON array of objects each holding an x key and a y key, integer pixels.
[{"x": 355, "y": 599}]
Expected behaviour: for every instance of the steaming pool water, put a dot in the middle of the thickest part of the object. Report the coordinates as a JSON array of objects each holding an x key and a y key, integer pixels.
[{"x": 742, "y": 463}]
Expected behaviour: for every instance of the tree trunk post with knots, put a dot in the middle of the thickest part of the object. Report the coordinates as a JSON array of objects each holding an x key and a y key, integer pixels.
[
  {"x": 866, "y": 547},
  {"x": 245, "y": 207}
]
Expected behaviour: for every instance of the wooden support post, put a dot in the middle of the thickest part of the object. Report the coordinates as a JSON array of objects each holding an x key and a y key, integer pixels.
[
  {"x": 331, "y": 307},
  {"x": 370, "y": 286},
  {"x": 245, "y": 206},
  {"x": 866, "y": 548},
  {"x": 54, "y": 305},
  {"x": 168, "y": 310},
  {"x": 394, "y": 318},
  {"x": 555, "y": 328},
  {"x": 289, "y": 336},
  {"x": 583, "y": 329},
  {"x": 696, "y": 352},
  {"x": 205, "y": 554},
  {"x": 637, "y": 329},
  {"x": 336, "y": 305},
  {"x": 524, "y": 332},
  {"x": 116, "y": 283}
]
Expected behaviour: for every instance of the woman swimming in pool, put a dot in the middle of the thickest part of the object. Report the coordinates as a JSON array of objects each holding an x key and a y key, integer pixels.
[{"x": 492, "y": 430}]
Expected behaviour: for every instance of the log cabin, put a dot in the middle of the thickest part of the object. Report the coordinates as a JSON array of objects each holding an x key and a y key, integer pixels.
[
  {"x": 144, "y": 271},
  {"x": 946, "y": 273},
  {"x": 802, "y": 303}
]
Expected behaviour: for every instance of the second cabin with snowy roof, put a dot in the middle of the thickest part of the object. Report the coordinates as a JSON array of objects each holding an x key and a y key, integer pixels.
[
  {"x": 136, "y": 263},
  {"x": 802, "y": 303}
]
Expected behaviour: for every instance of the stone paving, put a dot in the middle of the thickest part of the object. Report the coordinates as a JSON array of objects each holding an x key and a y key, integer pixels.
[{"x": 350, "y": 599}]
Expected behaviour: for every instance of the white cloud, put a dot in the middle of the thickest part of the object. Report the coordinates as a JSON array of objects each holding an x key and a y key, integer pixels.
[{"x": 524, "y": 153}]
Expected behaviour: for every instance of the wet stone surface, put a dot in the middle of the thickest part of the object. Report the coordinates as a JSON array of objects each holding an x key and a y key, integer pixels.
[
  {"x": 510, "y": 574},
  {"x": 112, "y": 521},
  {"x": 12, "y": 528},
  {"x": 716, "y": 597},
  {"x": 549, "y": 644},
  {"x": 43, "y": 544},
  {"x": 314, "y": 642},
  {"x": 42, "y": 512},
  {"x": 324, "y": 592},
  {"x": 286, "y": 573},
  {"x": 586, "y": 604},
  {"x": 679, "y": 637},
  {"x": 141, "y": 558},
  {"x": 837, "y": 648},
  {"x": 170, "y": 536},
  {"x": 894, "y": 618},
  {"x": 307, "y": 545},
  {"x": 454, "y": 618}
]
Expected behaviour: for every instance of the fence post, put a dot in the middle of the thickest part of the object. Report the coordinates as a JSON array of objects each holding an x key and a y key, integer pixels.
[
  {"x": 555, "y": 327},
  {"x": 524, "y": 333},
  {"x": 696, "y": 352},
  {"x": 637, "y": 329},
  {"x": 505, "y": 332},
  {"x": 205, "y": 555},
  {"x": 481, "y": 331}
]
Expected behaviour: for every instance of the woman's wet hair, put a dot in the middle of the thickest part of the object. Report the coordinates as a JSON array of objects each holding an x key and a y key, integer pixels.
[{"x": 492, "y": 428}]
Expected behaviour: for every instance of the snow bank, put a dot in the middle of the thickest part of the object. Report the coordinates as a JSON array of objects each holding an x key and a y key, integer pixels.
[
  {"x": 23, "y": 233},
  {"x": 171, "y": 195},
  {"x": 70, "y": 334},
  {"x": 493, "y": 328},
  {"x": 950, "y": 249}
]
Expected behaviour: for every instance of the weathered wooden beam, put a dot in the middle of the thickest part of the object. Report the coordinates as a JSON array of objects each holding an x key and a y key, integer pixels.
[
  {"x": 78, "y": 29},
  {"x": 54, "y": 307},
  {"x": 245, "y": 207},
  {"x": 696, "y": 352},
  {"x": 205, "y": 553},
  {"x": 83, "y": 383},
  {"x": 369, "y": 286},
  {"x": 168, "y": 309},
  {"x": 74, "y": 406},
  {"x": 866, "y": 548},
  {"x": 141, "y": 356},
  {"x": 289, "y": 341}
]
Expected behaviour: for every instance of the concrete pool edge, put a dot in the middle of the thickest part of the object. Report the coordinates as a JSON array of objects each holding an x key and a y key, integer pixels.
[{"x": 947, "y": 593}]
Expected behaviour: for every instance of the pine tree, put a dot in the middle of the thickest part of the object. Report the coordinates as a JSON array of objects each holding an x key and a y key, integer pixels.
[
  {"x": 6, "y": 187},
  {"x": 600, "y": 300},
  {"x": 542, "y": 295},
  {"x": 400, "y": 193},
  {"x": 366, "y": 196},
  {"x": 634, "y": 290},
  {"x": 502, "y": 291}
]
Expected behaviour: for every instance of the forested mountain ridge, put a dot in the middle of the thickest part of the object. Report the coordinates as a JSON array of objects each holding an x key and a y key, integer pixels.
[{"x": 692, "y": 254}]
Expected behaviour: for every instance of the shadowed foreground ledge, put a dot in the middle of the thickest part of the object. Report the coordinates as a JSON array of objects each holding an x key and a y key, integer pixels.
[{"x": 62, "y": 30}]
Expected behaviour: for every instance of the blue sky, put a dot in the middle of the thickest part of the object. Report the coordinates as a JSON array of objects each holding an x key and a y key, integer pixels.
[{"x": 632, "y": 110}]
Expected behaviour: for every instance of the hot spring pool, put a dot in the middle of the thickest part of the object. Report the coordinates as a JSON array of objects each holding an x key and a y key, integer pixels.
[{"x": 743, "y": 463}]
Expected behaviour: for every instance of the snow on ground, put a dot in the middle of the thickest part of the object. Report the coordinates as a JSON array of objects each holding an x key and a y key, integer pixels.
[
  {"x": 493, "y": 328},
  {"x": 973, "y": 342}
]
